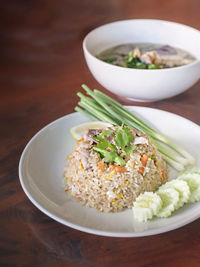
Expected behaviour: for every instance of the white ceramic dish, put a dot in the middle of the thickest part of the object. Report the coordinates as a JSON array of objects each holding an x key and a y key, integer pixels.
[
  {"x": 42, "y": 163},
  {"x": 143, "y": 85}
]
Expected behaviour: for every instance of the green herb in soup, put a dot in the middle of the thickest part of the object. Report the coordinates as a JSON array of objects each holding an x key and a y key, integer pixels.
[{"x": 146, "y": 56}]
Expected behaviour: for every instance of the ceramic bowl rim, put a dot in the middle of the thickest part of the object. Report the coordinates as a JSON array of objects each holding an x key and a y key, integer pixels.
[{"x": 86, "y": 50}]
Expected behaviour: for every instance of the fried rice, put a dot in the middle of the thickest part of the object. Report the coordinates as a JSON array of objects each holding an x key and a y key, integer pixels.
[{"x": 108, "y": 187}]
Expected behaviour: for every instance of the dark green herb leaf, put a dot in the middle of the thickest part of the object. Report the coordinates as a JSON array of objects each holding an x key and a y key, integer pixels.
[
  {"x": 100, "y": 150},
  {"x": 106, "y": 132},
  {"x": 119, "y": 160},
  {"x": 134, "y": 62},
  {"x": 153, "y": 67},
  {"x": 110, "y": 59},
  {"x": 140, "y": 65},
  {"x": 129, "y": 149},
  {"x": 110, "y": 156},
  {"x": 103, "y": 144},
  {"x": 130, "y": 57},
  {"x": 108, "y": 151},
  {"x": 121, "y": 138},
  {"x": 153, "y": 156},
  {"x": 129, "y": 134}
]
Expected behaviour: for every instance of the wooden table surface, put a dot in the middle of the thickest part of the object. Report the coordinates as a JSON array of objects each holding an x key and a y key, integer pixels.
[{"x": 42, "y": 68}]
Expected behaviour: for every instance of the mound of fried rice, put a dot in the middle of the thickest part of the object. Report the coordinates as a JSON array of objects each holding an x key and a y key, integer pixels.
[{"x": 105, "y": 186}]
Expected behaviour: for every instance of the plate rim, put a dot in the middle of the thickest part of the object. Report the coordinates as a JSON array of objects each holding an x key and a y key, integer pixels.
[{"x": 147, "y": 232}]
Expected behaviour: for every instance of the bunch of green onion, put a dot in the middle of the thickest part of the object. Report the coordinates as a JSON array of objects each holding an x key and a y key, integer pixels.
[{"x": 99, "y": 106}]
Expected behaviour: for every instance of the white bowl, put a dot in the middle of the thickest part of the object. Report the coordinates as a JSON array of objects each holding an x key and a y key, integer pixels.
[{"x": 143, "y": 85}]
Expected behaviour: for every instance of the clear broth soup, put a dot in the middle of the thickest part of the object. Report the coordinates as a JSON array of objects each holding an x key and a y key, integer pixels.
[{"x": 146, "y": 56}]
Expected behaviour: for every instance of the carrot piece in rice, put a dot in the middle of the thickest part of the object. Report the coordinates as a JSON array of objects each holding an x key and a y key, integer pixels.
[
  {"x": 144, "y": 159},
  {"x": 101, "y": 165}
]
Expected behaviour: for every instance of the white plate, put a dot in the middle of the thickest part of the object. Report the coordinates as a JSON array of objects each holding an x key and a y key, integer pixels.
[{"x": 43, "y": 160}]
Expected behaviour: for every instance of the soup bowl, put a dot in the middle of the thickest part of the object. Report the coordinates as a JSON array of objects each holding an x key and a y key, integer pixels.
[{"x": 143, "y": 84}]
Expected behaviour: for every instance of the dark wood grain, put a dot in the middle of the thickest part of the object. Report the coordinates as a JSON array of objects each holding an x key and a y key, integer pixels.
[{"x": 42, "y": 68}]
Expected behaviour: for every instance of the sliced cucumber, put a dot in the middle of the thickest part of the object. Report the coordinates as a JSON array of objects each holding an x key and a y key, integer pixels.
[
  {"x": 146, "y": 206},
  {"x": 170, "y": 198},
  {"x": 182, "y": 188},
  {"x": 142, "y": 214},
  {"x": 190, "y": 171},
  {"x": 193, "y": 181}
]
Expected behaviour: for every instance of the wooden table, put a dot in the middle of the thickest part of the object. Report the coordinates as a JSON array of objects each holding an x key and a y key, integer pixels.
[{"x": 42, "y": 68}]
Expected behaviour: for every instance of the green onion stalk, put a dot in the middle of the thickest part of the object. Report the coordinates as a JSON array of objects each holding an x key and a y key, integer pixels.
[{"x": 99, "y": 106}]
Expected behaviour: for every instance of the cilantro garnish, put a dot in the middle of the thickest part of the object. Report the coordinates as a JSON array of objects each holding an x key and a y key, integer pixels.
[
  {"x": 106, "y": 133},
  {"x": 103, "y": 143},
  {"x": 120, "y": 161},
  {"x": 129, "y": 149},
  {"x": 123, "y": 137},
  {"x": 110, "y": 156}
]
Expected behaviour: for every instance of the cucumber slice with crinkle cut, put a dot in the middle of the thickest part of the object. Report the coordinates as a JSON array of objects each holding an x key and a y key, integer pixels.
[
  {"x": 170, "y": 198},
  {"x": 192, "y": 170},
  {"x": 182, "y": 188},
  {"x": 193, "y": 181},
  {"x": 146, "y": 206}
]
